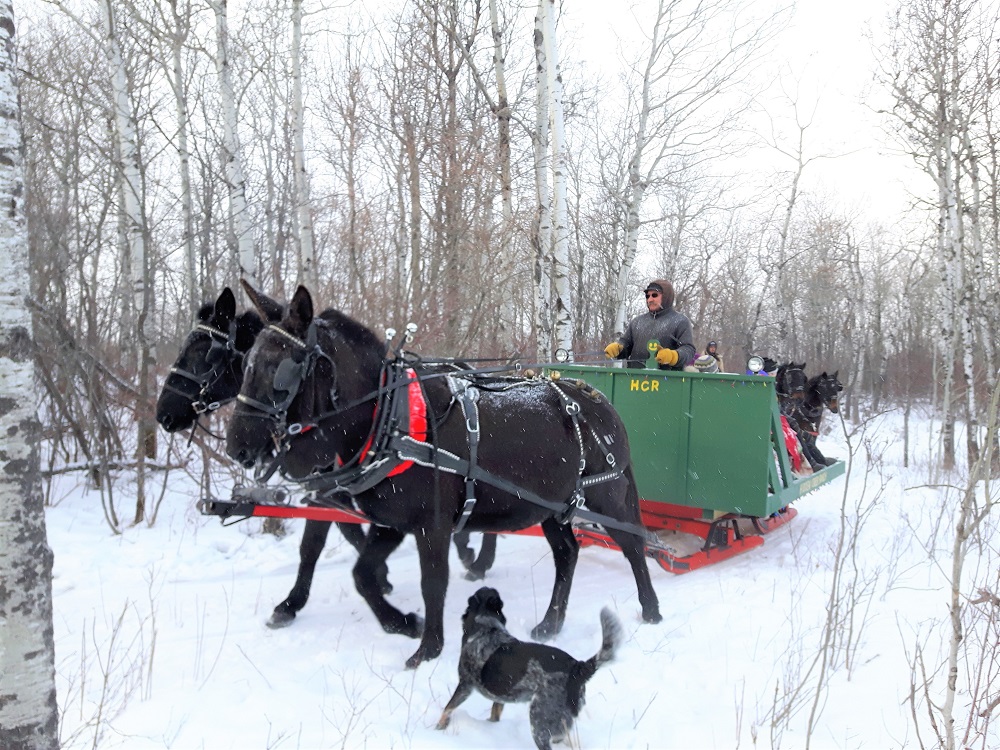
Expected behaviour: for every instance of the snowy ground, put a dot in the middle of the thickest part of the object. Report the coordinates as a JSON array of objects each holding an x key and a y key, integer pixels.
[{"x": 161, "y": 642}]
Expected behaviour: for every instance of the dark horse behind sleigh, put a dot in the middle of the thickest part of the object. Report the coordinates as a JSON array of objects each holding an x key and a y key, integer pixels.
[{"x": 320, "y": 400}]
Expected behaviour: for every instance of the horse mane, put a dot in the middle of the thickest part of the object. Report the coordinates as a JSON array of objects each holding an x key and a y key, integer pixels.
[
  {"x": 369, "y": 348},
  {"x": 352, "y": 330},
  {"x": 248, "y": 325}
]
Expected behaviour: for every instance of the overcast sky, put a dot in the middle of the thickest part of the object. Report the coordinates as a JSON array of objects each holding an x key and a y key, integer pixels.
[{"x": 827, "y": 55}]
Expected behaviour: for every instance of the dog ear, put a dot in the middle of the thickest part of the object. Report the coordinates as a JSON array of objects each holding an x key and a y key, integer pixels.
[{"x": 494, "y": 605}]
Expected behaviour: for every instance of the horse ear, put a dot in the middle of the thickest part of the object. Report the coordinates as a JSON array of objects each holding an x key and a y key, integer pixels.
[
  {"x": 300, "y": 311},
  {"x": 225, "y": 306},
  {"x": 269, "y": 309}
]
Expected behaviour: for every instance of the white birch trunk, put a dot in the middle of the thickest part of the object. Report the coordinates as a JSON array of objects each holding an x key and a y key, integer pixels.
[
  {"x": 503, "y": 129},
  {"x": 134, "y": 220},
  {"x": 543, "y": 237},
  {"x": 128, "y": 153},
  {"x": 947, "y": 248},
  {"x": 233, "y": 153},
  {"x": 978, "y": 269},
  {"x": 179, "y": 34},
  {"x": 29, "y": 718},
  {"x": 307, "y": 259},
  {"x": 563, "y": 333}
]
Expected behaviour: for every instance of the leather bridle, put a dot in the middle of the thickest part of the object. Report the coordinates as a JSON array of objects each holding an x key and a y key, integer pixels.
[{"x": 222, "y": 354}]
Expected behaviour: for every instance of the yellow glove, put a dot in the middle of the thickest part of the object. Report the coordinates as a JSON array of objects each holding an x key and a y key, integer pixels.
[
  {"x": 667, "y": 357},
  {"x": 613, "y": 350}
]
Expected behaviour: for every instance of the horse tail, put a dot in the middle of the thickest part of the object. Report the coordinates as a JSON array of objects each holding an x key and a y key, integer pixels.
[{"x": 582, "y": 671}]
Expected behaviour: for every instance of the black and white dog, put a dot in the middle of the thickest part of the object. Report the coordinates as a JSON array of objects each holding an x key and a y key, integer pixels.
[{"x": 507, "y": 670}]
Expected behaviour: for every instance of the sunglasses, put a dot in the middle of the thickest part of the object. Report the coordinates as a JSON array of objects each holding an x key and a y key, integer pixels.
[{"x": 652, "y": 294}]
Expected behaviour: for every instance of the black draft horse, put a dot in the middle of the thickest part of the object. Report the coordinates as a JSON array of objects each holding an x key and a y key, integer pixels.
[
  {"x": 311, "y": 387},
  {"x": 208, "y": 374},
  {"x": 822, "y": 393}
]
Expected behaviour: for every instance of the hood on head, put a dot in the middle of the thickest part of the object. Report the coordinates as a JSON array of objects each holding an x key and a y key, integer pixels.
[{"x": 665, "y": 288}]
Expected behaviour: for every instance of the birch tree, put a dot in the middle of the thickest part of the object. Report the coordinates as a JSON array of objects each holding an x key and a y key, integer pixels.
[
  {"x": 135, "y": 235},
  {"x": 307, "y": 259},
  {"x": 562, "y": 304},
  {"x": 239, "y": 214},
  {"x": 29, "y": 718},
  {"x": 936, "y": 90},
  {"x": 542, "y": 234}
]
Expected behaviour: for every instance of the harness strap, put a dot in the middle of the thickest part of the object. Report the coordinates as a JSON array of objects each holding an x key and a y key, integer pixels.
[
  {"x": 427, "y": 455},
  {"x": 470, "y": 409}
]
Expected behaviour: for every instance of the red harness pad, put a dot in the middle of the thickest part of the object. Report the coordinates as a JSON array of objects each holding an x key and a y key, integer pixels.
[{"x": 416, "y": 426}]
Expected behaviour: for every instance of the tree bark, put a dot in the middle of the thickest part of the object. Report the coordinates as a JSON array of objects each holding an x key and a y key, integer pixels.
[
  {"x": 307, "y": 258},
  {"x": 233, "y": 153},
  {"x": 29, "y": 717},
  {"x": 563, "y": 304},
  {"x": 135, "y": 235},
  {"x": 543, "y": 225}
]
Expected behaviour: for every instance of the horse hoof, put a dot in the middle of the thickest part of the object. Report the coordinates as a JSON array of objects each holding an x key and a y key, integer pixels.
[
  {"x": 412, "y": 626},
  {"x": 474, "y": 575},
  {"x": 653, "y": 617},
  {"x": 280, "y": 618},
  {"x": 543, "y": 631},
  {"x": 421, "y": 655}
]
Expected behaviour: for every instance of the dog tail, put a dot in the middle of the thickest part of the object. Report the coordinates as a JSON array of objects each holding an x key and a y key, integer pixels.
[{"x": 582, "y": 671}]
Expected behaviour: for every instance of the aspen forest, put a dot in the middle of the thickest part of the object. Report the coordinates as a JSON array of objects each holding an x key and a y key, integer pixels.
[
  {"x": 478, "y": 169},
  {"x": 394, "y": 160}
]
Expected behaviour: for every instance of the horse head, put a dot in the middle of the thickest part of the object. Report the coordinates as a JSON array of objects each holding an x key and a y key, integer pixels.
[
  {"x": 305, "y": 371},
  {"x": 828, "y": 388},
  {"x": 208, "y": 371},
  {"x": 791, "y": 380}
]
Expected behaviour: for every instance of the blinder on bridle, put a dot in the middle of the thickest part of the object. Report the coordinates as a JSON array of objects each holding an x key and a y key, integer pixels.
[
  {"x": 288, "y": 378},
  {"x": 221, "y": 353}
]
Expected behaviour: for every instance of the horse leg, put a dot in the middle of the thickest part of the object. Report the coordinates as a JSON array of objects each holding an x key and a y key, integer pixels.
[
  {"x": 466, "y": 555},
  {"x": 381, "y": 543},
  {"x": 813, "y": 456},
  {"x": 476, "y": 571},
  {"x": 565, "y": 551},
  {"x": 356, "y": 537},
  {"x": 634, "y": 549},
  {"x": 432, "y": 545},
  {"x": 313, "y": 540}
]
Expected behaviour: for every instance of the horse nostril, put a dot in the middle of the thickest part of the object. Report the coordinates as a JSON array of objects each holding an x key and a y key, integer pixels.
[{"x": 166, "y": 421}]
